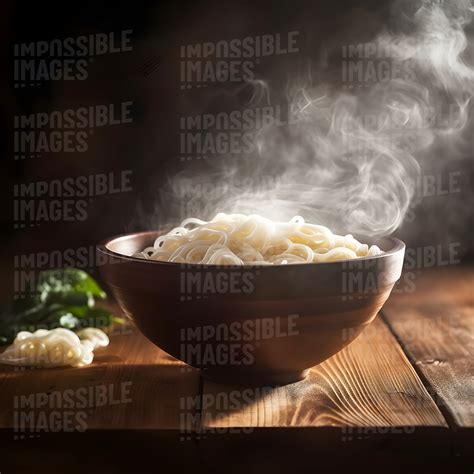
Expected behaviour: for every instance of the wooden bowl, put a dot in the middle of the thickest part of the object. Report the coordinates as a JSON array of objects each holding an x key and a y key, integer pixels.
[{"x": 249, "y": 324}]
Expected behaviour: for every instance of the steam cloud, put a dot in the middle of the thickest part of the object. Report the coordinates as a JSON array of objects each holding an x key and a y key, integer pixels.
[{"x": 349, "y": 158}]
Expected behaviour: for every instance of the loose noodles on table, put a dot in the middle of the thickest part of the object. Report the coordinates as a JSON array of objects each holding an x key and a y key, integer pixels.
[{"x": 54, "y": 348}]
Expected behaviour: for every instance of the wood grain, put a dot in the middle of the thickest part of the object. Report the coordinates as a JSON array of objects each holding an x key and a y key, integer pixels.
[
  {"x": 144, "y": 387},
  {"x": 354, "y": 396},
  {"x": 369, "y": 383},
  {"x": 435, "y": 325}
]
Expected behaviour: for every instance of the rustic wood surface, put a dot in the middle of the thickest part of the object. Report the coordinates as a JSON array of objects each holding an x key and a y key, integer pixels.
[
  {"x": 392, "y": 401},
  {"x": 147, "y": 382},
  {"x": 369, "y": 383},
  {"x": 435, "y": 327}
]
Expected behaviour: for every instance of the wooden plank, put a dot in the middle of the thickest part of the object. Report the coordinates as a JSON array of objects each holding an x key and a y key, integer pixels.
[
  {"x": 435, "y": 326},
  {"x": 131, "y": 385},
  {"x": 370, "y": 383}
]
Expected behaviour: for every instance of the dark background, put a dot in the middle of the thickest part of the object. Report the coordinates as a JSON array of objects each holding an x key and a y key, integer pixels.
[{"x": 149, "y": 76}]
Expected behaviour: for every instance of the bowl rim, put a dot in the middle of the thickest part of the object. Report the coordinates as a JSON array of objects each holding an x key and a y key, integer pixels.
[{"x": 398, "y": 246}]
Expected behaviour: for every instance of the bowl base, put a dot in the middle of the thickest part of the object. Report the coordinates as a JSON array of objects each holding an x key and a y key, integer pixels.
[{"x": 253, "y": 378}]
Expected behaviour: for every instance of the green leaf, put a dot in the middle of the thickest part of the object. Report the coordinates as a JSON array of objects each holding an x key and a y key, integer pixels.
[
  {"x": 68, "y": 280},
  {"x": 68, "y": 298}
]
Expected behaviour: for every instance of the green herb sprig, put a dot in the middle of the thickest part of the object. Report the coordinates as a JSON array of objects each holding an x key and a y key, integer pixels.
[{"x": 62, "y": 298}]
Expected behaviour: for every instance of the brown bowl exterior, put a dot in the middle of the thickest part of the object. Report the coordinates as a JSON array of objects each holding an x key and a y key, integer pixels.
[{"x": 249, "y": 324}]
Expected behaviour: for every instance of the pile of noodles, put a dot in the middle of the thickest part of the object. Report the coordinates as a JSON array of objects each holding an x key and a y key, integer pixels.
[
  {"x": 238, "y": 239},
  {"x": 54, "y": 348}
]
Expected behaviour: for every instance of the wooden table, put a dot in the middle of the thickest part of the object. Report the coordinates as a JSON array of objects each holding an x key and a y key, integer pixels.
[{"x": 398, "y": 399}]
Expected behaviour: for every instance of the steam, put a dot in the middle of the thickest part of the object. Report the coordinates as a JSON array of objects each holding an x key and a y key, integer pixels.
[{"x": 349, "y": 158}]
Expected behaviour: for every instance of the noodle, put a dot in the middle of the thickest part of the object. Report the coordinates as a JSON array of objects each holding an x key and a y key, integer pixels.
[
  {"x": 55, "y": 348},
  {"x": 238, "y": 239}
]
